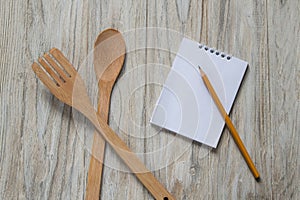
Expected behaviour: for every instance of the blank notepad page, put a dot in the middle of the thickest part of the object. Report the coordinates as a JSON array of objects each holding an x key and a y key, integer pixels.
[{"x": 185, "y": 105}]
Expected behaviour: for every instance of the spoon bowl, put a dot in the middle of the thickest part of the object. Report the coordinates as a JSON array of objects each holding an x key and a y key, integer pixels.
[{"x": 109, "y": 55}]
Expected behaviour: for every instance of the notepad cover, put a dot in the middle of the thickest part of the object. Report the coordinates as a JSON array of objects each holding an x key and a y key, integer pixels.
[{"x": 185, "y": 105}]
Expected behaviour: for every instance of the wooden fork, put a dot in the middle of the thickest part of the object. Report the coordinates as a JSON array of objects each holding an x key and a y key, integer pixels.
[{"x": 63, "y": 81}]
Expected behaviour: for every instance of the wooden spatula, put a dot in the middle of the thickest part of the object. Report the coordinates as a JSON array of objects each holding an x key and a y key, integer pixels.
[
  {"x": 65, "y": 83},
  {"x": 109, "y": 55}
]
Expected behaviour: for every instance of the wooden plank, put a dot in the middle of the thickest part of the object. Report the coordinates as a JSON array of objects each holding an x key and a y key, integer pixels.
[
  {"x": 43, "y": 154},
  {"x": 118, "y": 182},
  {"x": 182, "y": 160},
  {"x": 239, "y": 25},
  {"x": 284, "y": 97}
]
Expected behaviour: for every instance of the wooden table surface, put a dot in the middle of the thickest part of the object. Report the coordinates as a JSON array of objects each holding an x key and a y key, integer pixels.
[{"x": 45, "y": 145}]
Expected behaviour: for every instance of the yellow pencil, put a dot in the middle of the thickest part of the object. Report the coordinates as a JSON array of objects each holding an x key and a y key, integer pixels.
[{"x": 229, "y": 124}]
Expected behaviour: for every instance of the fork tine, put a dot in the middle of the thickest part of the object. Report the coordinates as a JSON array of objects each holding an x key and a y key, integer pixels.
[
  {"x": 43, "y": 76},
  {"x": 63, "y": 61},
  {"x": 50, "y": 71},
  {"x": 55, "y": 66}
]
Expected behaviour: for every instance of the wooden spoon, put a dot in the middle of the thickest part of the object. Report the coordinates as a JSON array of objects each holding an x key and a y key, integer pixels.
[{"x": 109, "y": 55}]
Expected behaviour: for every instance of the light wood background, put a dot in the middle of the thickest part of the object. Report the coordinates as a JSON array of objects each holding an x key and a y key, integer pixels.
[{"x": 44, "y": 156}]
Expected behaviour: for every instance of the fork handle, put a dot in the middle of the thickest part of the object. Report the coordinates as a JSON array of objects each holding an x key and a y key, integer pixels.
[{"x": 131, "y": 160}]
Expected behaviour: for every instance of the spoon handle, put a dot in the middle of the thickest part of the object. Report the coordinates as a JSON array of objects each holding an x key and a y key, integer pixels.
[
  {"x": 130, "y": 159},
  {"x": 93, "y": 188}
]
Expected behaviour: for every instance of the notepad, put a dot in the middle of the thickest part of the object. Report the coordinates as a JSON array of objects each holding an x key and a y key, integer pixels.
[{"x": 185, "y": 105}]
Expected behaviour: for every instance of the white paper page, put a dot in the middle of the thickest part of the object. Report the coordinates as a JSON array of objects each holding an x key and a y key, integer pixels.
[{"x": 185, "y": 106}]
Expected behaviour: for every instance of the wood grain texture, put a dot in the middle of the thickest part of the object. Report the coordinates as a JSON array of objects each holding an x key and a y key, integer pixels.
[{"x": 43, "y": 155}]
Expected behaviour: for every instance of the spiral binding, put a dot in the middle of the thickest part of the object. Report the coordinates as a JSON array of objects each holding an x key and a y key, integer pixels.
[{"x": 217, "y": 53}]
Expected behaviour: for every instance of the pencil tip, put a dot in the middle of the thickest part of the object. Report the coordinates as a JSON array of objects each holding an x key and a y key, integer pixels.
[
  {"x": 258, "y": 179},
  {"x": 201, "y": 71}
]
